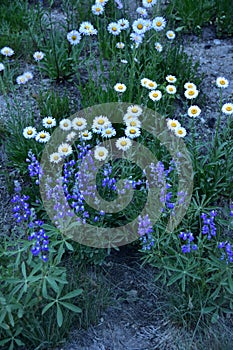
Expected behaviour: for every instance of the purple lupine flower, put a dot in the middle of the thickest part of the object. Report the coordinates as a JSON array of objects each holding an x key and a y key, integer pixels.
[
  {"x": 119, "y": 4},
  {"x": 145, "y": 229},
  {"x": 187, "y": 236},
  {"x": 209, "y": 227},
  {"x": 21, "y": 209},
  {"x": 34, "y": 167},
  {"x": 108, "y": 181},
  {"x": 227, "y": 254}
]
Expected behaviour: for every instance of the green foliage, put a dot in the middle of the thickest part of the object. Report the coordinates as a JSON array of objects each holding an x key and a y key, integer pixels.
[
  {"x": 53, "y": 104},
  {"x": 30, "y": 289}
]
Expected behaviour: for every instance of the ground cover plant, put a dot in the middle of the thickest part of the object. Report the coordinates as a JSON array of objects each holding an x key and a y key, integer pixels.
[{"x": 102, "y": 110}]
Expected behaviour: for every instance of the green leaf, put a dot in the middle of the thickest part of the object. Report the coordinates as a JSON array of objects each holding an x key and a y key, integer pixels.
[
  {"x": 59, "y": 316},
  {"x": 71, "y": 307},
  {"x": 72, "y": 294},
  {"x": 208, "y": 309},
  {"x": 48, "y": 306},
  {"x": 69, "y": 246},
  {"x": 23, "y": 268},
  {"x": 53, "y": 284}
]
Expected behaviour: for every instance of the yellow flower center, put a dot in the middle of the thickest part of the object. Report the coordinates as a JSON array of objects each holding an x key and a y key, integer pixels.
[
  {"x": 171, "y": 78},
  {"x": 155, "y": 94},
  {"x": 64, "y": 149},
  {"x": 222, "y": 82},
  {"x": 190, "y": 86},
  {"x": 170, "y": 34},
  {"x": 101, "y": 153},
  {"x": 79, "y": 123},
  {"x": 65, "y": 125},
  {"x": 132, "y": 131},
  {"x": 108, "y": 132},
  {"x": 171, "y": 89},
  {"x": 114, "y": 29},
  {"x": 120, "y": 87},
  {"x": 123, "y": 143},
  {"x": 29, "y": 132},
  {"x": 87, "y": 26},
  {"x": 194, "y": 111},
  {"x": 133, "y": 123},
  {"x": 191, "y": 92},
  {"x": 85, "y": 134},
  {"x": 55, "y": 157},
  {"x": 42, "y": 136},
  {"x": 97, "y": 9},
  {"x": 74, "y": 37},
  {"x": 159, "y": 23},
  {"x": 173, "y": 124},
  {"x": 134, "y": 109},
  {"x": 149, "y": 1},
  {"x": 180, "y": 132},
  {"x": 101, "y": 121},
  {"x": 49, "y": 121},
  {"x": 140, "y": 26},
  {"x": 229, "y": 108},
  {"x": 151, "y": 84}
]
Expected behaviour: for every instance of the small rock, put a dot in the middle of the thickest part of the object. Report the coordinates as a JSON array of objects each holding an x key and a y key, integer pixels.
[{"x": 217, "y": 42}]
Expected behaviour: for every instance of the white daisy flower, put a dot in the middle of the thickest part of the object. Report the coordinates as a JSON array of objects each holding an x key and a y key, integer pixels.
[
  {"x": 124, "y": 61},
  {"x": 74, "y": 37},
  {"x": 222, "y": 82},
  {"x": 65, "y": 149},
  {"x": 101, "y": 122},
  {"x": 70, "y": 136},
  {"x": 123, "y": 23},
  {"x": 227, "y": 108},
  {"x": 7, "y": 51},
  {"x": 28, "y": 75},
  {"x": 189, "y": 85},
  {"x": 180, "y": 132},
  {"x": 128, "y": 116},
  {"x": 49, "y": 122},
  {"x": 158, "y": 47},
  {"x": 79, "y": 123},
  {"x": 101, "y": 2},
  {"x": 100, "y": 153},
  {"x": 123, "y": 143},
  {"x": 120, "y": 45},
  {"x": 38, "y": 56},
  {"x": 119, "y": 87},
  {"x": 135, "y": 110},
  {"x": 191, "y": 93},
  {"x": 172, "y": 124},
  {"x": 148, "y": 3},
  {"x": 55, "y": 157},
  {"x": 155, "y": 95},
  {"x": 134, "y": 122},
  {"x": 136, "y": 38},
  {"x": 108, "y": 132},
  {"x": 86, "y": 28},
  {"x": 171, "y": 79},
  {"x": 85, "y": 135},
  {"x": 65, "y": 124},
  {"x": 139, "y": 26},
  {"x": 144, "y": 82},
  {"x": 42, "y": 136},
  {"x": 194, "y": 111},
  {"x": 171, "y": 89},
  {"x": 21, "y": 79},
  {"x": 2, "y": 67},
  {"x": 114, "y": 28},
  {"x": 159, "y": 23},
  {"x": 148, "y": 24},
  {"x": 97, "y": 9},
  {"x": 141, "y": 11},
  {"x": 132, "y": 132},
  {"x": 29, "y": 132},
  {"x": 170, "y": 35},
  {"x": 151, "y": 85}
]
